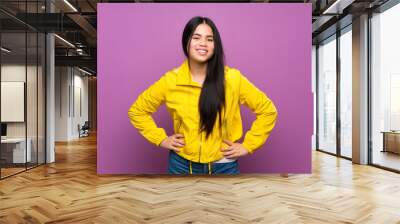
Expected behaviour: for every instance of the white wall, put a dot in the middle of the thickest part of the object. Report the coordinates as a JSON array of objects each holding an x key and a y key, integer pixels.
[
  {"x": 80, "y": 110},
  {"x": 61, "y": 103},
  {"x": 13, "y": 73},
  {"x": 71, "y": 93}
]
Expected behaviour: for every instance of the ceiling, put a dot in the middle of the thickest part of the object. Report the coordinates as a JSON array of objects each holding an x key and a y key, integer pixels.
[{"x": 76, "y": 22}]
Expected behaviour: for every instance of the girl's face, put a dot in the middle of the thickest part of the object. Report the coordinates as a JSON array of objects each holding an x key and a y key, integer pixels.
[{"x": 201, "y": 46}]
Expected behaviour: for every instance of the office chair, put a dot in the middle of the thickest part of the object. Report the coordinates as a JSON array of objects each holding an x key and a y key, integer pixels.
[{"x": 84, "y": 130}]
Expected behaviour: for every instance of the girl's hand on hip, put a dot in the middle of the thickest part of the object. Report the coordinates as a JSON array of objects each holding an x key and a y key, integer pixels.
[
  {"x": 234, "y": 150},
  {"x": 173, "y": 142}
]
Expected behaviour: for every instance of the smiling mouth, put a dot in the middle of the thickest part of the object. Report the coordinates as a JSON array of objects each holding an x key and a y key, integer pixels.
[{"x": 201, "y": 51}]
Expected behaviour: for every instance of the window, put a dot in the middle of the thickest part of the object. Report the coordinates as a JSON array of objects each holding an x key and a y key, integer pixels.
[
  {"x": 385, "y": 88},
  {"x": 327, "y": 95},
  {"x": 346, "y": 93}
]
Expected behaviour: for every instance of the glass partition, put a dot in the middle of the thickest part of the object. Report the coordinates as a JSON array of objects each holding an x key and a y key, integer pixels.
[
  {"x": 32, "y": 95},
  {"x": 13, "y": 108},
  {"x": 22, "y": 78}
]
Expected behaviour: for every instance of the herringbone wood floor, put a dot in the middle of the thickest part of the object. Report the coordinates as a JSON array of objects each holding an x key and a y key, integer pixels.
[{"x": 70, "y": 191}]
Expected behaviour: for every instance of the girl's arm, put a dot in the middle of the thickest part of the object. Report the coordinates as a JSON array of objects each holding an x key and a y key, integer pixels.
[
  {"x": 265, "y": 111},
  {"x": 146, "y": 104}
]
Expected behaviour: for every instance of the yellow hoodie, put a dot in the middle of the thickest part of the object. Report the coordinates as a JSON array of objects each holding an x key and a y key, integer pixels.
[{"x": 181, "y": 94}]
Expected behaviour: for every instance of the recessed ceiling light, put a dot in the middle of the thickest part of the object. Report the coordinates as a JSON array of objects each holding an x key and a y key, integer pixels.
[
  {"x": 5, "y": 49},
  {"x": 64, "y": 40},
  {"x": 337, "y": 7},
  {"x": 70, "y": 5},
  {"x": 86, "y": 72}
]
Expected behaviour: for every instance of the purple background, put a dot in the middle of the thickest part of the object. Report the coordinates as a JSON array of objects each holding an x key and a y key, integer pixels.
[{"x": 269, "y": 43}]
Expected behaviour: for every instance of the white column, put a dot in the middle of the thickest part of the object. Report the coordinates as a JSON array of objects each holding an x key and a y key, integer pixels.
[
  {"x": 360, "y": 90},
  {"x": 50, "y": 91},
  {"x": 50, "y": 110}
]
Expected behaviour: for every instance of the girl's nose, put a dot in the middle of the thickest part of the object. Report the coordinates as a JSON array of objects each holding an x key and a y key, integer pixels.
[{"x": 203, "y": 42}]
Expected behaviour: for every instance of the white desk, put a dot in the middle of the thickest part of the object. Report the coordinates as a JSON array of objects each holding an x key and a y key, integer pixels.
[{"x": 18, "y": 150}]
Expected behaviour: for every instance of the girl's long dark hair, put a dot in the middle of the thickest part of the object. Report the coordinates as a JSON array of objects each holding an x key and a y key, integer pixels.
[{"x": 212, "y": 97}]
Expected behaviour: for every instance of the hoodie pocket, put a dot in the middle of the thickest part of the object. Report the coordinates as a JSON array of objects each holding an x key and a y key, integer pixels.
[
  {"x": 225, "y": 134},
  {"x": 178, "y": 126},
  {"x": 188, "y": 135},
  {"x": 225, "y": 130}
]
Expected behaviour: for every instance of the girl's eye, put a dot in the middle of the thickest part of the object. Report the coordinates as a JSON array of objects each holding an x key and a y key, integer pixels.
[{"x": 211, "y": 40}]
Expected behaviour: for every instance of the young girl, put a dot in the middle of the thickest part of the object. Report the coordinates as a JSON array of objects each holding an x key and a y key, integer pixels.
[{"x": 203, "y": 97}]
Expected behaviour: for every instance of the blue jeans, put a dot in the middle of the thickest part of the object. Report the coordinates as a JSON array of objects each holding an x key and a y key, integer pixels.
[{"x": 180, "y": 165}]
